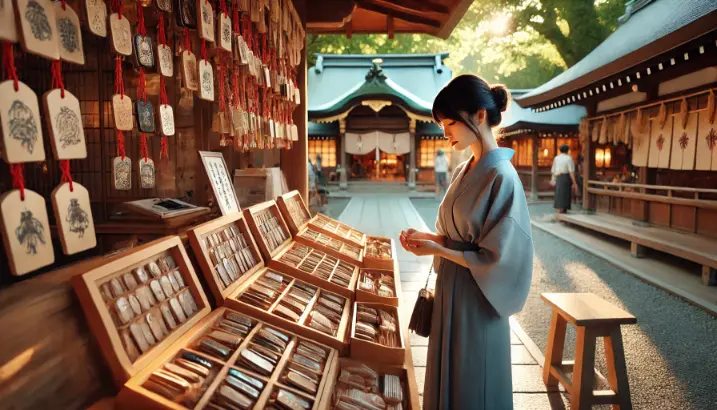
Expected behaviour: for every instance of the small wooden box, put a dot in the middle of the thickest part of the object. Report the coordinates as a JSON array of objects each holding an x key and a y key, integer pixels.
[
  {"x": 338, "y": 230},
  {"x": 134, "y": 395},
  {"x": 372, "y": 262},
  {"x": 295, "y": 211},
  {"x": 363, "y": 295},
  {"x": 411, "y": 399},
  {"x": 268, "y": 228},
  {"x": 365, "y": 350},
  {"x": 100, "y": 310},
  {"x": 203, "y": 239},
  {"x": 339, "y": 341},
  {"x": 334, "y": 247},
  {"x": 280, "y": 265}
]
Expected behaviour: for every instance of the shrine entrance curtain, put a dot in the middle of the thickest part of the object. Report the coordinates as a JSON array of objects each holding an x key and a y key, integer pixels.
[{"x": 361, "y": 144}]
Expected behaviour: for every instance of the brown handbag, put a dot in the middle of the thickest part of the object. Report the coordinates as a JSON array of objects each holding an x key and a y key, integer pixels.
[{"x": 420, "y": 322}]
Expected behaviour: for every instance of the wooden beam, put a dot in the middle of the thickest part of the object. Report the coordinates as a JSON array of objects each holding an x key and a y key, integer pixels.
[
  {"x": 390, "y": 26},
  {"x": 459, "y": 11},
  {"x": 413, "y": 6},
  {"x": 398, "y": 14}
]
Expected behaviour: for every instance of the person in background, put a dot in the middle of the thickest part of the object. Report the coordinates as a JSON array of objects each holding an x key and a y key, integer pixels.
[
  {"x": 318, "y": 170},
  {"x": 440, "y": 168},
  {"x": 564, "y": 178}
]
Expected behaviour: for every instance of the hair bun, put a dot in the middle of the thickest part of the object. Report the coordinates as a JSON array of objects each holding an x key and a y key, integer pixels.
[{"x": 500, "y": 96}]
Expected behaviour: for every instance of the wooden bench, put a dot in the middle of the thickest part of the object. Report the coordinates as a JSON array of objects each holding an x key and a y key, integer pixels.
[
  {"x": 593, "y": 317},
  {"x": 693, "y": 247}
]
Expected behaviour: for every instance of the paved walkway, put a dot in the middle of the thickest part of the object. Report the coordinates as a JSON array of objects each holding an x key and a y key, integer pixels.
[{"x": 386, "y": 215}]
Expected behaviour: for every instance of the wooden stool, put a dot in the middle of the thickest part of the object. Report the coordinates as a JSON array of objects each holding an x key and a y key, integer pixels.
[{"x": 593, "y": 318}]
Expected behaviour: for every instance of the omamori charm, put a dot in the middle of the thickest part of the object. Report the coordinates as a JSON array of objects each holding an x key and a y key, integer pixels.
[
  {"x": 145, "y": 116},
  {"x": 189, "y": 71},
  {"x": 165, "y": 60},
  {"x": 21, "y": 128},
  {"x": 146, "y": 173},
  {"x": 38, "y": 28},
  {"x": 121, "y": 35},
  {"x": 206, "y": 20},
  {"x": 122, "y": 110},
  {"x": 143, "y": 48},
  {"x": 206, "y": 80},
  {"x": 225, "y": 32},
  {"x": 73, "y": 216},
  {"x": 96, "y": 17},
  {"x": 65, "y": 124},
  {"x": 70, "y": 34},
  {"x": 25, "y": 231},
  {"x": 122, "y": 173},
  {"x": 166, "y": 119}
]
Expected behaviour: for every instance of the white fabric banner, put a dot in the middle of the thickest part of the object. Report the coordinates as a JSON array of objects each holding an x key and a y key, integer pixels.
[{"x": 360, "y": 144}]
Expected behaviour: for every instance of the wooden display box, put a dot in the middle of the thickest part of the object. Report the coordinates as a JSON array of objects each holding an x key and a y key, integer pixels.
[
  {"x": 338, "y": 230},
  {"x": 103, "y": 320},
  {"x": 199, "y": 237},
  {"x": 364, "y": 350},
  {"x": 296, "y": 213},
  {"x": 292, "y": 269},
  {"x": 339, "y": 341},
  {"x": 370, "y": 262},
  {"x": 321, "y": 241},
  {"x": 370, "y": 297},
  {"x": 268, "y": 228},
  {"x": 411, "y": 399},
  {"x": 134, "y": 395}
]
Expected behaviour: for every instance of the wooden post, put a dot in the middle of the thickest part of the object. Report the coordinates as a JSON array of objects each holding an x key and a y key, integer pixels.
[
  {"x": 412, "y": 161},
  {"x": 534, "y": 168},
  {"x": 294, "y": 161},
  {"x": 584, "y": 371}
]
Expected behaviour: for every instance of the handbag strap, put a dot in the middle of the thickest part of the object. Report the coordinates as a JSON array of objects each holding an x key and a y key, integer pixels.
[{"x": 428, "y": 278}]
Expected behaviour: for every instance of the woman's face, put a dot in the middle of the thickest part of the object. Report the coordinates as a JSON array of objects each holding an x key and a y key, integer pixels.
[{"x": 458, "y": 134}]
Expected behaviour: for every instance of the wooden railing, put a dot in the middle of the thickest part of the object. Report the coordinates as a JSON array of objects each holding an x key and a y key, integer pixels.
[{"x": 643, "y": 192}]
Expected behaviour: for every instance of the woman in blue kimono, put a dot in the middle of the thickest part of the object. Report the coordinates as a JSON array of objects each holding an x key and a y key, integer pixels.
[{"x": 483, "y": 252}]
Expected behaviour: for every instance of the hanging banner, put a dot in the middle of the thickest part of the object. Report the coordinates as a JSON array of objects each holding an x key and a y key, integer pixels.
[
  {"x": 398, "y": 144},
  {"x": 684, "y": 144},
  {"x": 706, "y": 143},
  {"x": 640, "y": 145},
  {"x": 360, "y": 144}
]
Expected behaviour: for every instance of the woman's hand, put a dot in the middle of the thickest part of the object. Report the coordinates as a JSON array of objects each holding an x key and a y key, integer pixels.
[
  {"x": 418, "y": 235},
  {"x": 421, "y": 247}
]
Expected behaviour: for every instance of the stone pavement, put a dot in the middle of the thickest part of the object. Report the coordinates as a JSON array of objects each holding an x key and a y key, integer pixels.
[{"x": 386, "y": 215}]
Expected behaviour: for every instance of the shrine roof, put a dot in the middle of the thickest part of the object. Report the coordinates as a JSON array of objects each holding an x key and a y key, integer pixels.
[
  {"x": 338, "y": 82},
  {"x": 648, "y": 30},
  {"x": 517, "y": 117}
]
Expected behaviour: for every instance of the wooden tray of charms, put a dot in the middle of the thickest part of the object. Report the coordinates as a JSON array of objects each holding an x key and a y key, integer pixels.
[
  {"x": 377, "y": 286},
  {"x": 233, "y": 360},
  {"x": 338, "y": 230},
  {"x": 292, "y": 304},
  {"x": 317, "y": 268},
  {"x": 380, "y": 385},
  {"x": 268, "y": 228},
  {"x": 379, "y": 253},
  {"x": 140, "y": 302},
  {"x": 295, "y": 212},
  {"x": 226, "y": 252},
  {"x": 377, "y": 334},
  {"x": 334, "y": 247}
]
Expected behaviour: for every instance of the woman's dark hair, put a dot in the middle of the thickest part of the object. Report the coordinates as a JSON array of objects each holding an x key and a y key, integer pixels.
[
  {"x": 470, "y": 93},
  {"x": 564, "y": 148}
]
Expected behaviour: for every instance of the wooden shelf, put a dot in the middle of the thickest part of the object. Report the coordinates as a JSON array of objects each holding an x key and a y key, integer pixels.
[
  {"x": 365, "y": 350},
  {"x": 198, "y": 238},
  {"x": 134, "y": 395},
  {"x": 370, "y": 297},
  {"x": 371, "y": 262},
  {"x": 292, "y": 269},
  {"x": 295, "y": 211},
  {"x": 338, "y": 341},
  {"x": 99, "y": 311}
]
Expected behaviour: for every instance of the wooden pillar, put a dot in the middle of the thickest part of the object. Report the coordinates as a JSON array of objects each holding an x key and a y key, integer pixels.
[
  {"x": 534, "y": 168},
  {"x": 294, "y": 161},
  {"x": 344, "y": 176},
  {"x": 588, "y": 163}
]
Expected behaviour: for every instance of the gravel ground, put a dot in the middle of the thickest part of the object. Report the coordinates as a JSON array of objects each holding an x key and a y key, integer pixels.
[{"x": 671, "y": 352}]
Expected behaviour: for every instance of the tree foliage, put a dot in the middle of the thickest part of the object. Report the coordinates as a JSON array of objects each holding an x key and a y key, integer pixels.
[{"x": 542, "y": 39}]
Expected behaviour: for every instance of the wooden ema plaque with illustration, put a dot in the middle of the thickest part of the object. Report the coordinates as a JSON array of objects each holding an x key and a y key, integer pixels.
[
  {"x": 294, "y": 210},
  {"x": 229, "y": 352},
  {"x": 140, "y": 303},
  {"x": 25, "y": 231}
]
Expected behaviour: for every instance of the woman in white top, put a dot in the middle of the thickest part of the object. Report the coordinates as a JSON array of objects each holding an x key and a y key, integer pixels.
[
  {"x": 440, "y": 168},
  {"x": 564, "y": 178}
]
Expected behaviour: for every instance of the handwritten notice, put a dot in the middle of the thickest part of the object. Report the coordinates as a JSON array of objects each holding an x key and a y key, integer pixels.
[{"x": 218, "y": 175}]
